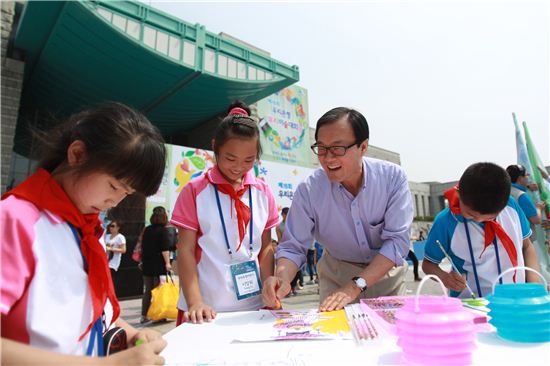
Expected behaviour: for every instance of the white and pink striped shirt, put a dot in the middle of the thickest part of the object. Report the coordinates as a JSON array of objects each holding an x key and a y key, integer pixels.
[
  {"x": 45, "y": 301},
  {"x": 196, "y": 209}
]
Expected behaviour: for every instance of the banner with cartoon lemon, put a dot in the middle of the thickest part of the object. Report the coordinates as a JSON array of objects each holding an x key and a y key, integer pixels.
[{"x": 182, "y": 165}]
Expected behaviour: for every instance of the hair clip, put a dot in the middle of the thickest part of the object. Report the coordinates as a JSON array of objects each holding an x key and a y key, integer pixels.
[{"x": 238, "y": 111}]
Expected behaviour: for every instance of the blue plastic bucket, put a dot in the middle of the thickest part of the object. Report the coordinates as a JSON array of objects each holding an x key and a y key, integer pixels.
[{"x": 520, "y": 311}]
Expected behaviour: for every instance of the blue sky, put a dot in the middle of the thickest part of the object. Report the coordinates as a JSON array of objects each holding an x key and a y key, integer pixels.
[{"x": 437, "y": 80}]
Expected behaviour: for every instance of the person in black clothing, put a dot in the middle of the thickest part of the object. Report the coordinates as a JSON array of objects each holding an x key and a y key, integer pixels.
[
  {"x": 414, "y": 259},
  {"x": 172, "y": 240},
  {"x": 155, "y": 256}
]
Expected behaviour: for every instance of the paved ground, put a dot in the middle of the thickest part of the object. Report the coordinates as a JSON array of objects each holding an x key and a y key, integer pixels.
[{"x": 305, "y": 299}]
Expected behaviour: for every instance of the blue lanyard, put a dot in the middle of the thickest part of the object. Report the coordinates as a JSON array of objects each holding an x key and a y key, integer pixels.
[
  {"x": 97, "y": 329},
  {"x": 223, "y": 221},
  {"x": 474, "y": 262}
]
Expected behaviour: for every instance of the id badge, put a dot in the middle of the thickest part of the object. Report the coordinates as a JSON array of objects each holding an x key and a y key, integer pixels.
[{"x": 246, "y": 279}]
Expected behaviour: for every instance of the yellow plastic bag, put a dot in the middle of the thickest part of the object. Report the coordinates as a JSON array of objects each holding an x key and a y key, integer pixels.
[{"x": 164, "y": 301}]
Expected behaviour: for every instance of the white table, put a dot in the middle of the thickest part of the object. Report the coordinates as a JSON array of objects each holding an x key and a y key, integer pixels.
[{"x": 214, "y": 344}]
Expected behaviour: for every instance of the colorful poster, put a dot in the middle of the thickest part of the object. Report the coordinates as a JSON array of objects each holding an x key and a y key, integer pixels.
[
  {"x": 284, "y": 126},
  {"x": 182, "y": 165}
]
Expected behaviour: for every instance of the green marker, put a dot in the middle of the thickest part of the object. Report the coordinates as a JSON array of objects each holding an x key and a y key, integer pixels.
[{"x": 139, "y": 342}]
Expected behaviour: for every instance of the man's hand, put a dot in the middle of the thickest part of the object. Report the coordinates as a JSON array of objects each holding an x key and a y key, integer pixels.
[
  {"x": 274, "y": 290},
  {"x": 340, "y": 298}
]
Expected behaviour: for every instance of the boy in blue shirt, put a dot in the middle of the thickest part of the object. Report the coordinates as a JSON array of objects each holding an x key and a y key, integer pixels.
[
  {"x": 484, "y": 231},
  {"x": 520, "y": 182}
]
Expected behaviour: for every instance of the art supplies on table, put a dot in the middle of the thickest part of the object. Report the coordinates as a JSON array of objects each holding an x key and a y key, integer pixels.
[
  {"x": 479, "y": 304},
  {"x": 479, "y": 308},
  {"x": 383, "y": 310},
  {"x": 385, "y": 306},
  {"x": 361, "y": 324}
]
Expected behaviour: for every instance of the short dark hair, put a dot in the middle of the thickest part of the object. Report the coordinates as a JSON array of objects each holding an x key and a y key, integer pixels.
[
  {"x": 485, "y": 188},
  {"x": 515, "y": 171},
  {"x": 119, "y": 141},
  {"x": 117, "y": 222},
  {"x": 240, "y": 125},
  {"x": 357, "y": 121},
  {"x": 159, "y": 216},
  {"x": 284, "y": 211}
]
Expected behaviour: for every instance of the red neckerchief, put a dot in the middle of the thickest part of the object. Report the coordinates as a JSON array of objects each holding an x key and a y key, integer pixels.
[
  {"x": 45, "y": 193},
  {"x": 243, "y": 211},
  {"x": 492, "y": 228}
]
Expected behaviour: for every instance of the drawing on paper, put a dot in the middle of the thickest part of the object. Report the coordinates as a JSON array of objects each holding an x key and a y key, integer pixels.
[{"x": 310, "y": 324}]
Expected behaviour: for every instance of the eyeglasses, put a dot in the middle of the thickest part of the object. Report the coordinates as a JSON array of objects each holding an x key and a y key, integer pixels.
[
  {"x": 112, "y": 225},
  {"x": 335, "y": 150}
]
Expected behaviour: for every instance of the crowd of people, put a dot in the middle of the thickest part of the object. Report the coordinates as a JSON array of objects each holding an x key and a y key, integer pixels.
[{"x": 348, "y": 229}]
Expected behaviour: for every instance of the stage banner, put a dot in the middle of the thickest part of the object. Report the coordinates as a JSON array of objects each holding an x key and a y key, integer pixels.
[{"x": 284, "y": 126}]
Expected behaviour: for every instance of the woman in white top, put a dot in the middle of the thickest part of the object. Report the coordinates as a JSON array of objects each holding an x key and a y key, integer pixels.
[{"x": 116, "y": 246}]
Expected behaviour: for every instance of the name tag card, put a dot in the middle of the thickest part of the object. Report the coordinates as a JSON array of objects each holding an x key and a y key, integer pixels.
[{"x": 246, "y": 279}]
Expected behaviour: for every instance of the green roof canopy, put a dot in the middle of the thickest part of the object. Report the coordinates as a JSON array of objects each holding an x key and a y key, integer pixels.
[{"x": 79, "y": 53}]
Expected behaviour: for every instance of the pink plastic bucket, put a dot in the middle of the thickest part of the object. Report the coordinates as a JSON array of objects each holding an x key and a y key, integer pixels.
[{"x": 435, "y": 330}]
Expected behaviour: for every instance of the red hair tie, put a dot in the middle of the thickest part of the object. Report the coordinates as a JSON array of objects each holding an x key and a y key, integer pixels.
[{"x": 238, "y": 111}]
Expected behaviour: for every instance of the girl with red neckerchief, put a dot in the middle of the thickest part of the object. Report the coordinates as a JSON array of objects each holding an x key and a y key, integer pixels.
[
  {"x": 224, "y": 219},
  {"x": 57, "y": 297}
]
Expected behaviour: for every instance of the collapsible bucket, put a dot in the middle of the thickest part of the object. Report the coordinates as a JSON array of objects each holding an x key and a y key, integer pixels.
[
  {"x": 520, "y": 311},
  {"x": 435, "y": 330}
]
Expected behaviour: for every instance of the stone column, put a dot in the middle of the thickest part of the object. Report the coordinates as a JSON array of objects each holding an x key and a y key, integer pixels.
[{"x": 11, "y": 84}]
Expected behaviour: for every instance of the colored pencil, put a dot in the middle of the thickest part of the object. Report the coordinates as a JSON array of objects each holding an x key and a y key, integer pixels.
[{"x": 353, "y": 325}]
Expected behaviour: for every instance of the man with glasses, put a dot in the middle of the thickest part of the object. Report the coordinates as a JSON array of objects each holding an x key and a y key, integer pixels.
[
  {"x": 520, "y": 185},
  {"x": 359, "y": 208}
]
